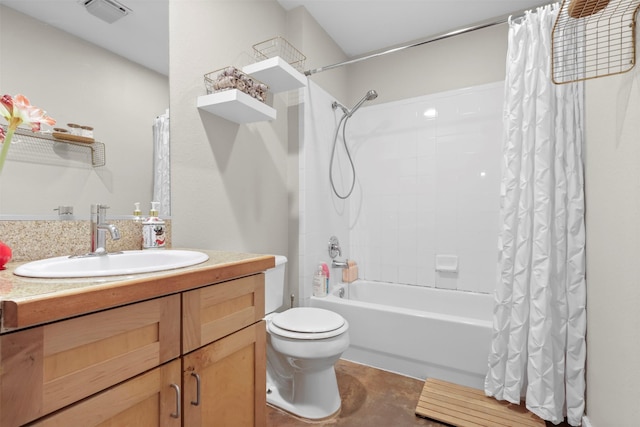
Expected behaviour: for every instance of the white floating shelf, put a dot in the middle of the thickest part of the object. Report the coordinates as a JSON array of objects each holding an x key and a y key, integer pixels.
[
  {"x": 277, "y": 73},
  {"x": 236, "y": 106}
]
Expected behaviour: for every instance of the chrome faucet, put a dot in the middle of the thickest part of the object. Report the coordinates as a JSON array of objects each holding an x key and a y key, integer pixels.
[
  {"x": 99, "y": 227},
  {"x": 339, "y": 264}
]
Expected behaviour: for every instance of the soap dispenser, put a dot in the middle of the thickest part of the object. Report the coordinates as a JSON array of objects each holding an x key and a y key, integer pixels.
[
  {"x": 137, "y": 213},
  {"x": 153, "y": 230}
]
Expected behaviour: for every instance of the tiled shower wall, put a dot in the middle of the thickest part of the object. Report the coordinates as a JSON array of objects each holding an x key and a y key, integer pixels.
[{"x": 428, "y": 180}]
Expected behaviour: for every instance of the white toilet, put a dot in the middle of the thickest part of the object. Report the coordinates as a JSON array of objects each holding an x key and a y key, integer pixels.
[{"x": 303, "y": 345}]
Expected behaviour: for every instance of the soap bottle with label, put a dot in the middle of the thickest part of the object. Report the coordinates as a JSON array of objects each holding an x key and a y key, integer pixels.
[
  {"x": 325, "y": 270},
  {"x": 319, "y": 283},
  {"x": 153, "y": 230}
]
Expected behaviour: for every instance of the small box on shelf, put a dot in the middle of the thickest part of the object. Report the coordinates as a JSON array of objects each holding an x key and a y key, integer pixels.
[
  {"x": 278, "y": 64},
  {"x": 232, "y": 78},
  {"x": 235, "y": 96},
  {"x": 279, "y": 47}
]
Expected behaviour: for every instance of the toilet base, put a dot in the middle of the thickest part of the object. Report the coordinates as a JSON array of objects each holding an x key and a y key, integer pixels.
[
  {"x": 314, "y": 420},
  {"x": 315, "y": 397},
  {"x": 301, "y": 378}
]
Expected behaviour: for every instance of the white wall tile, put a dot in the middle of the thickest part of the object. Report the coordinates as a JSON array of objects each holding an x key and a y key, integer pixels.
[
  {"x": 426, "y": 184},
  {"x": 446, "y": 280}
]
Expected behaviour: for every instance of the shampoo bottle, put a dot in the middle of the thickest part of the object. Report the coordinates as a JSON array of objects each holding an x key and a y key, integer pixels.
[
  {"x": 153, "y": 230},
  {"x": 325, "y": 270},
  {"x": 319, "y": 283}
]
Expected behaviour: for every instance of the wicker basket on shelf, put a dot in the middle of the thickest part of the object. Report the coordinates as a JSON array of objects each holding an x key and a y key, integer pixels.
[
  {"x": 279, "y": 46},
  {"x": 232, "y": 78}
]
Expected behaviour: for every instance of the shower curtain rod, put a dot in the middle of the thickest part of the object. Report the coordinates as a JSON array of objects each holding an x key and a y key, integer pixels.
[{"x": 503, "y": 19}]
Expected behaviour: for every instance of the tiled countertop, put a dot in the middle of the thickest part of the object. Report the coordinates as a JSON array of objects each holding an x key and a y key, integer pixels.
[{"x": 29, "y": 301}]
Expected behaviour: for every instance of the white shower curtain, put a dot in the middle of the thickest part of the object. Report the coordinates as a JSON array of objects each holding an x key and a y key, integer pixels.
[
  {"x": 538, "y": 346},
  {"x": 162, "y": 164}
]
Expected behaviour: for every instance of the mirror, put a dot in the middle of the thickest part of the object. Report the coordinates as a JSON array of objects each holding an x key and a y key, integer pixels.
[{"x": 76, "y": 81}]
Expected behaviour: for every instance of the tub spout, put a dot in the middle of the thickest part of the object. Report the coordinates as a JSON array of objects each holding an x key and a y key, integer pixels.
[{"x": 339, "y": 264}]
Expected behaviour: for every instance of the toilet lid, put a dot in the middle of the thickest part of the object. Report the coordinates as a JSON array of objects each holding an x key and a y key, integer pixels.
[{"x": 309, "y": 320}]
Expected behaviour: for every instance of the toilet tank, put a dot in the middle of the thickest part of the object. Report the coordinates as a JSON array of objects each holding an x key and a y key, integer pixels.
[{"x": 274, "y": 285}]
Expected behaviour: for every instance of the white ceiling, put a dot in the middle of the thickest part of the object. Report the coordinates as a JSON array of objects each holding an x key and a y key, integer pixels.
[
  {"x": 365, "y": 26},
  {"x": 357, "y": 26},
  {"x": 141, "y": 36}
]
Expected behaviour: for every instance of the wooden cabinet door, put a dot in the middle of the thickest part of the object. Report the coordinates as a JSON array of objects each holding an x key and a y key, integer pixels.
[
  {"x": 224, "y": 383},
  {"x": 49, "y": 367},
  {"x": 215, "y": 311},
  {"x": 148, "y": 400}
]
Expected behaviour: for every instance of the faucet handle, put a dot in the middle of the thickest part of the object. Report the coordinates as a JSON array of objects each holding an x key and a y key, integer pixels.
[
  {"x": 98, "y": 212},
  {"x": 334, "y": 247}
]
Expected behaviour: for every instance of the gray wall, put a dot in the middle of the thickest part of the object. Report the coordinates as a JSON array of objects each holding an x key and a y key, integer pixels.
[
  {"x": 613, "y": 250},
  {"x": 230, "y": 184},
  {"x": 235, "y": 187},
  {"x": 466, "y": 60}
]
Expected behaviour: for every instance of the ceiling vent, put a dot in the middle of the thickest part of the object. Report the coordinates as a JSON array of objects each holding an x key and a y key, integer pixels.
[{"x": 107, "y": 10}]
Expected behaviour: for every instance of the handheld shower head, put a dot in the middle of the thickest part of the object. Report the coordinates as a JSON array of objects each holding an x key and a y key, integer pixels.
[{"x": 372, "y": 94}]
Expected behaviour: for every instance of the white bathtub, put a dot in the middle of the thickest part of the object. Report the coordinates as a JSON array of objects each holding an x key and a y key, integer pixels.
[{"x": 416, "y": 331}]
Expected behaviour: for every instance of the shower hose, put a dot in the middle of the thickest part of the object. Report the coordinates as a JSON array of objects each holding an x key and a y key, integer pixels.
[{"x": 343, "y": 123}]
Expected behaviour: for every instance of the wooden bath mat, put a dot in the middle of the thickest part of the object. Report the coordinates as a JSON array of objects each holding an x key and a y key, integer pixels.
[{"x": 463, "y": 406}]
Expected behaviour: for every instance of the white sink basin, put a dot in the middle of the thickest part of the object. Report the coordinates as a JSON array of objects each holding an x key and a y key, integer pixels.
[{"x": 113, "y": 264}]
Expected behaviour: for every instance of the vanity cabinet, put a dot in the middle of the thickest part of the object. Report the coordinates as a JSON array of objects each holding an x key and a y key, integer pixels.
[
  {"x": 149, "y": 399},
  {"x": 212, "y": 312},
  {"x": 48, "y": 367},
  {"x": 224, "y": 382},
  {"x": 224, "y": 351},
  {"x": 193, "y": 358}
]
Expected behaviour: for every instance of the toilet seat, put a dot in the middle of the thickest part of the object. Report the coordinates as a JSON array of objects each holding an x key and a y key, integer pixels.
[
  {"x": 308, "y": 320},
  {"x": 307, "y": 323}
]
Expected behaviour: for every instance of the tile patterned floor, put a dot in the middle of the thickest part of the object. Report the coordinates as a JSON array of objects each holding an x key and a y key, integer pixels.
[{"x": 370, "y": 398}]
